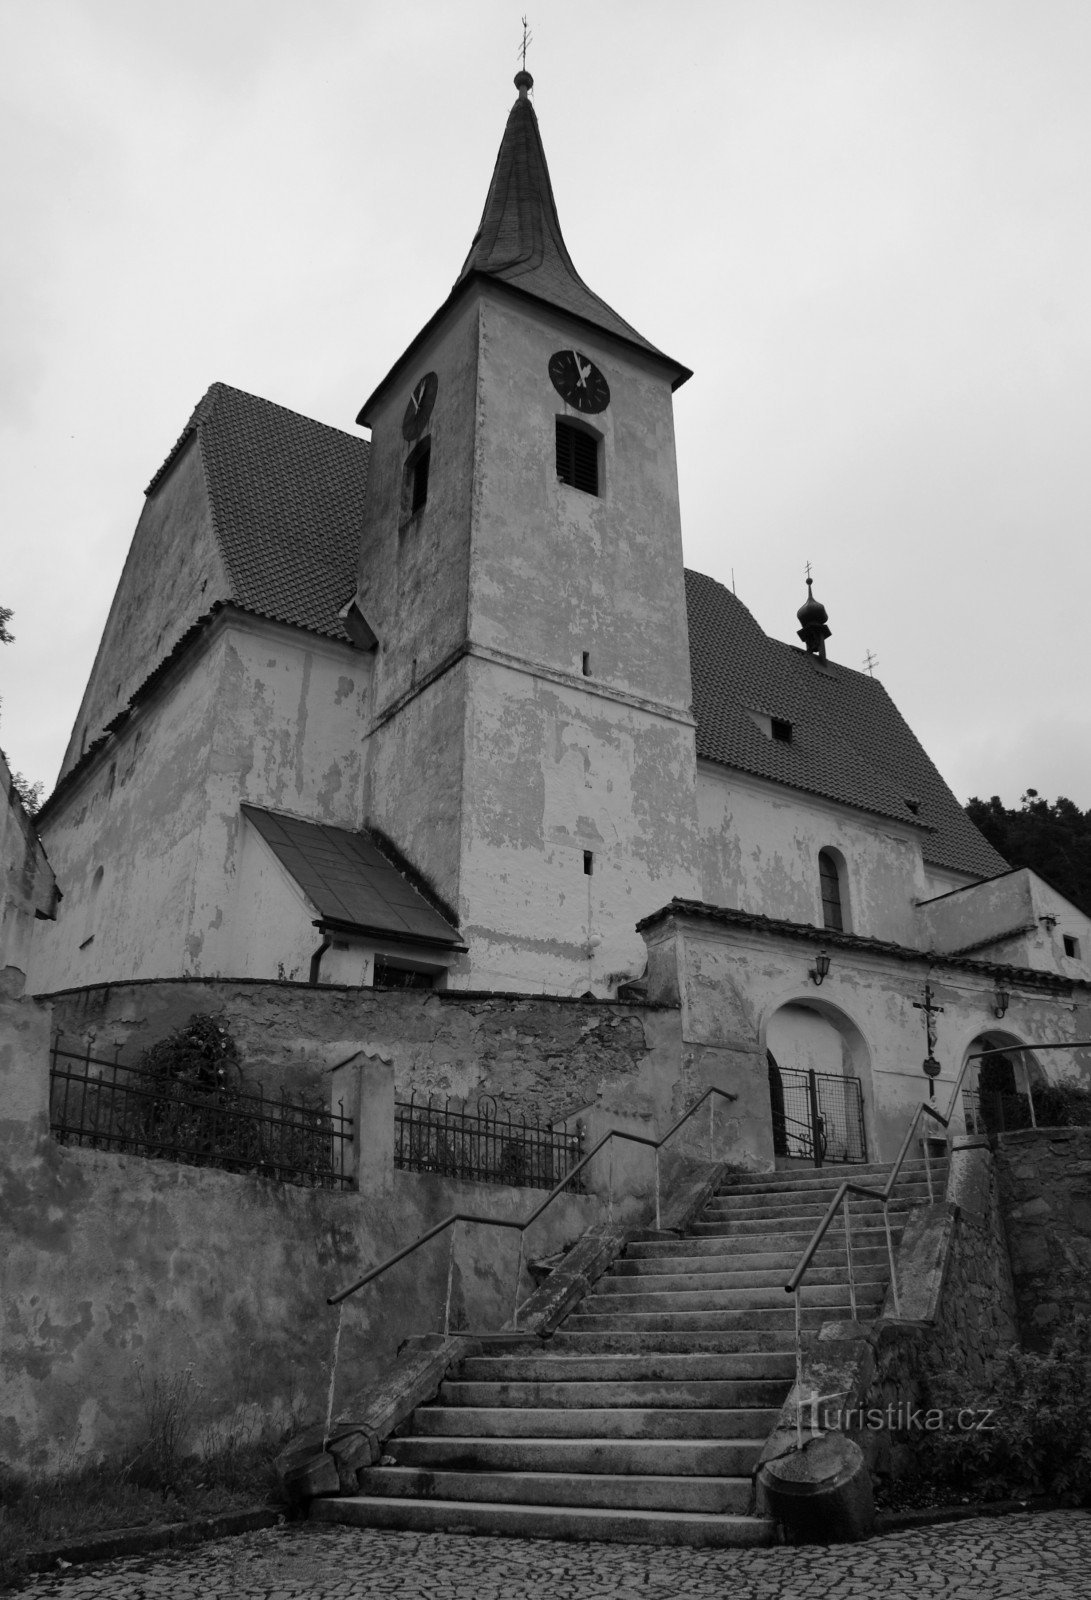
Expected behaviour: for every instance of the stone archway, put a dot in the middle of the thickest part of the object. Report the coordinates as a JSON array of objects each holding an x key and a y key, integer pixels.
[
  {"x": 804, "y": 1036},
  {"x": 996, "y": 1092}
]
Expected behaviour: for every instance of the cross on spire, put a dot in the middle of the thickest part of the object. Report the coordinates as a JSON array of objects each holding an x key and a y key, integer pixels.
[
  {"x": 808, "y": 572},
  {"x": 528, "y": 39}
]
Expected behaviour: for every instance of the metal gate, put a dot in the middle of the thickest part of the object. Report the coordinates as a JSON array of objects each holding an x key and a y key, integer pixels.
[{"x": 817, "y": 1116}]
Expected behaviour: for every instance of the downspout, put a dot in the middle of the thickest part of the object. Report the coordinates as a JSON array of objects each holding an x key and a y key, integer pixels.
[{"x": 316, "y": 959}]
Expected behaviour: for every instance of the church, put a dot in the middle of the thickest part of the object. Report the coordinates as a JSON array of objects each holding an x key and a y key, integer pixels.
[{"x": 438, "y": 705}]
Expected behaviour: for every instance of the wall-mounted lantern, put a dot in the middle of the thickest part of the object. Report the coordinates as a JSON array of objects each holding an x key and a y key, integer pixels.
[
  {"x": 1001, "y": 1000},
  {"x": 820, "y": 968}
]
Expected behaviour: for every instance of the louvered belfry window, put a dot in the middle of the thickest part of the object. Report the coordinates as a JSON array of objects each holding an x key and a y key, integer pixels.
[
  {"x": 832, "y": 916},
  {"x": 577, "y": 457}
]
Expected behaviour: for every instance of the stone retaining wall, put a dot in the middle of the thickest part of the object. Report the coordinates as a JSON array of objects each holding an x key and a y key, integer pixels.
[{"x": 1045, "y": 1185}]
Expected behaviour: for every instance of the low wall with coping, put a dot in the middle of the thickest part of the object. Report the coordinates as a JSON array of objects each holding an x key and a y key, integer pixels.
[{"x": 117, "y": 1272}]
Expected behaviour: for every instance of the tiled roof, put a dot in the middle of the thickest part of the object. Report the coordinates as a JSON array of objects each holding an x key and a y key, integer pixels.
[
  {"x": 350, "y": 882},
  {"x": 287, "y": 497},
  {"x": 519, "y": 239},
  {"x": 849, "y": 742}
]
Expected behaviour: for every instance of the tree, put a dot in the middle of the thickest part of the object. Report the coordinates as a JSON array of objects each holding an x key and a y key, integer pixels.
[
  {"x": 29, "y": 793},
  {"x": 1052, "y": 838}
]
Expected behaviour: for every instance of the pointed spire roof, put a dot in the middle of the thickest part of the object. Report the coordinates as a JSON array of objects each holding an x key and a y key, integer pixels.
[
  {"x": 519, "y": 242},
  {"x": 519, "y": 239}
]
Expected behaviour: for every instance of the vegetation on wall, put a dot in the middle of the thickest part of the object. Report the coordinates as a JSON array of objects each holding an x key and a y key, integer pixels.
[
  {"x": 1052, "y": 838},
  {"x": 29, "y": 793}
]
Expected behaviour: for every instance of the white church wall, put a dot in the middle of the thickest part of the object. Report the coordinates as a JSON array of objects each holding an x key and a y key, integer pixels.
[
  {"x": 556, "y": 775},
  {"x": 26, "y": 878},
  {"x": 759, "y": 852},
  {"x": 733, "y": 984},
  {"x": 1016, "y": 918},
  {"x": 272, "y": 921},
  {"x": 264, "y": 714},
  {"x": 172, "y": 566}
]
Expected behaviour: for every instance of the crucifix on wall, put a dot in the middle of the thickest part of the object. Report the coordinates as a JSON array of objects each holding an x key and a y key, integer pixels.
[{"x": 931, "y": 1011}]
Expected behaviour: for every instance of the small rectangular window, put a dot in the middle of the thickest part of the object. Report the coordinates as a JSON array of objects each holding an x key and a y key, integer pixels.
[
  {"x": 577, "y": 457},
  {"x": 415, "y": 479},
  {"x": 781, "y": 730},
  {"x": 587, "y": 663},
  {"x": 588, "y": 862},
  {"x": 1071, "y": 946}
]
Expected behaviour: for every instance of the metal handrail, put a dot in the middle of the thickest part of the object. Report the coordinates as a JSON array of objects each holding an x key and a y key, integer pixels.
[
  {"x": 522, "y": 1226},
  {"x": 794, "y": 1284}
]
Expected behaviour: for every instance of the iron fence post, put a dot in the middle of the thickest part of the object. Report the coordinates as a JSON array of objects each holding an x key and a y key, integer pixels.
[
  {"x": 848, "y": 1258},
  {"x": 816, "y": 1134}
]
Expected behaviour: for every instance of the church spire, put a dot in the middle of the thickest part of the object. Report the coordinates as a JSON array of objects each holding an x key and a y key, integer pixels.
[{"x": 519, "y": 239}]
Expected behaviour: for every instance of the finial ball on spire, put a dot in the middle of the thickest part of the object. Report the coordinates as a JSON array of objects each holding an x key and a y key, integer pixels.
[{"x": 523, "y": 81}]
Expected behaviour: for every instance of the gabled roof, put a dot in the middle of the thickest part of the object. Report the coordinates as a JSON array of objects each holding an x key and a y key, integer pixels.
[
  {"x": 286, "y": 496},
  {"x": 349, "y": 881},
  {"x": 849, "y": 743},
  {"x": 519, "y": 239}
]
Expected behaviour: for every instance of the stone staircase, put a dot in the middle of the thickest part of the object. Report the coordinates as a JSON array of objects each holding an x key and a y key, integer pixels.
[{"x": 643, "y": 1417}]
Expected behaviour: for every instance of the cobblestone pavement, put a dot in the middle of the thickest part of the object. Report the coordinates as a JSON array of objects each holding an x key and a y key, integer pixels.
[{"x": 1042, "y": 1557}]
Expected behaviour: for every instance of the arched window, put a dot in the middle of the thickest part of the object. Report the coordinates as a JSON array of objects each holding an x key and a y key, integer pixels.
[{"x": 829, "y": 878}]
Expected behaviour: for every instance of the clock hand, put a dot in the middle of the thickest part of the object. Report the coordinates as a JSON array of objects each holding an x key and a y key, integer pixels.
[{"x": 581, "y": 370}]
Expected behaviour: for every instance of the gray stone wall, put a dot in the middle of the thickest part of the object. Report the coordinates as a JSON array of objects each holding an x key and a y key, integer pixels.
[
  {"x": 538, "y": 1055},
  {"x": 1045, "y": 1186}
]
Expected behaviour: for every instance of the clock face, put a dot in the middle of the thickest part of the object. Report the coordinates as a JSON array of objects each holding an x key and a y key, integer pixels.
[
  {"x": 578, "y": 381},
  {"x": 420, "y": 406}
]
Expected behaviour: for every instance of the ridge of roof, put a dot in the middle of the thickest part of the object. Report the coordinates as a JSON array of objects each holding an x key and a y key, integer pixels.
[
  {"x": 1029, "y": 977},
  {"x": 286, "y": 495},
  {"x": 849, "y": 742},
  {"x": 519, "y": 238}
]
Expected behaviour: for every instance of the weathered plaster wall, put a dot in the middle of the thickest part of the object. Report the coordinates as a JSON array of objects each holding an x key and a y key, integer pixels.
[
  {"x": 265, "y": 714},
  {"x": 576, "y": 571},
  {"x": 1045, "y": 1184},
  {"x": 759, "y": 852},
  {"x": 537, "y": 1055},
  {"x": 1017, "y": 917},
  {"x": 26, "y": 878},
  {"x": 554, "y": 771},
  {"x": 730, "y": 983},
  {"x": 108, "y": 1261},
  {"x": 172, "y": 574}
]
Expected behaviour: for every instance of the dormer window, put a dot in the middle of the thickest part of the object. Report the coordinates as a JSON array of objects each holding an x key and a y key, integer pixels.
[
  {"x": 577, "y": 457},
  {"x": 778, "y": 729}
]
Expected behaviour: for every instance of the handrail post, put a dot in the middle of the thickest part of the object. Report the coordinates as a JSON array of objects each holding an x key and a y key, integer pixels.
[
  {"x": 812, "y": 1097},
  {"x": 928, "y": 1171},
  {"x": 799, "y": 1367},
  {"x": 657, "y": 1215},
  {"x": 450, "y": 1280},
  {"x": 848, "y": 1257},
  {"x": 890, "y": 1258},
  {"x": 518, "y": 1279},
  {"x": 711, "y": 1122}
]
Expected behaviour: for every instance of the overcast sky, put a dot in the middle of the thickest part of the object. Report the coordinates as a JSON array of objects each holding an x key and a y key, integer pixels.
[{"x": 865, "y": 224}]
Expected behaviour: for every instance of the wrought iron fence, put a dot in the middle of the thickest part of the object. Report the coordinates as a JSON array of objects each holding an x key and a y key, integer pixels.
[
  {"x": 817, "y": 1116},
  {"x": 487, "y": 1146},
  {"x": 102, "y": 1104}
]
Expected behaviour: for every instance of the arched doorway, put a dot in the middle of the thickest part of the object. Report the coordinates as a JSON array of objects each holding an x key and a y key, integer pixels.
[
  {"x": 819, "y": 1078},
  {"x": 996, "y": 1092}
]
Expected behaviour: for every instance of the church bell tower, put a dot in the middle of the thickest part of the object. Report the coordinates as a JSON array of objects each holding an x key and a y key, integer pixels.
[{"x": 532, "y": 748}]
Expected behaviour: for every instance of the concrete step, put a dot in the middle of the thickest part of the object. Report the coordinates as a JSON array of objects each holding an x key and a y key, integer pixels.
[
  {"x": 831, "y": 1178},
  {"x": 643, "y": 1366},
  {"x": 712, "y": 1256},
  {"x": 706, "y": 1458},
  {"x": 614, "y": 1341},
  {"x": 548, "y": 1522},
  {"x": 759, "y": 1298},
  {"x": 635, "y": 1284},
  {"x": 714, "y": 1496},
  {"x": 755, "y": 1322},
  {"x": 601, "y": 1422},
  {"x": 737, "y": 1393},
  {"x": 748, "y": 1238},
  {"x": 741, "y": 1206},
  {"x": 795, "y": 1224}
]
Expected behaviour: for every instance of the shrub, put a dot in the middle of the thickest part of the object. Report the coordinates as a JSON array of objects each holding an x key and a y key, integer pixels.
[{"x": 1038, "y": 1437}]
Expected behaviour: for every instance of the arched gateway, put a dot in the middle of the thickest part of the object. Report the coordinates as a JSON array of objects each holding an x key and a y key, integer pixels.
[{"x": 819, "y": 1083}]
